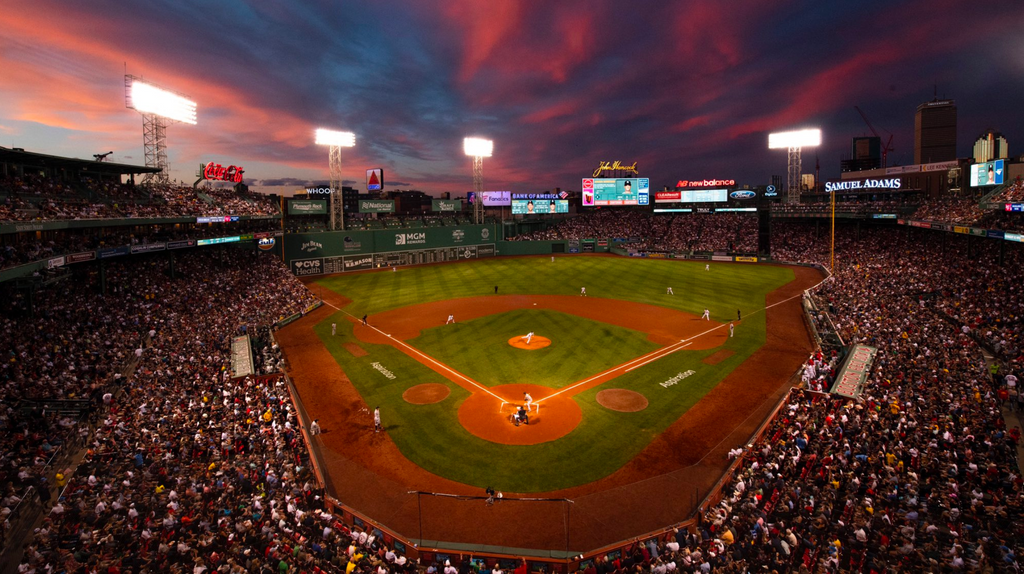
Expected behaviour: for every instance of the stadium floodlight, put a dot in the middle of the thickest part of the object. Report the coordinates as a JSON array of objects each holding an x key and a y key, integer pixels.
[
  {"x": 149, "y": 99},
  {"x": 158, "y": 107},
  {"x": 336, "y": 140},
  {"x": 794, "y": 141},
  {"x": 478, "y": 147},
  {"x": 799, "y": 138}
]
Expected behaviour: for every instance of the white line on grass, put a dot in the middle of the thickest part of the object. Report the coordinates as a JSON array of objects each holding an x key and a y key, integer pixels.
[{"x": 424, "y": 355}]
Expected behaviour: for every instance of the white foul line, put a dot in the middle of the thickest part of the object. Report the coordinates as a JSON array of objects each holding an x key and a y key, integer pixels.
[
  {"x": 666, "y": 351},
  {"x": 424, "y": 355}
]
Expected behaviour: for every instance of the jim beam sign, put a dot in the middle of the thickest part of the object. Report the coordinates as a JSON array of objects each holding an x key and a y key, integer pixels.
[{"x": 615, "y": 167}]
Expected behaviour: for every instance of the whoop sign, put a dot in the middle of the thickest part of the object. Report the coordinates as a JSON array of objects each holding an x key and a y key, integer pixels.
[{"x": 218, "y": 172}]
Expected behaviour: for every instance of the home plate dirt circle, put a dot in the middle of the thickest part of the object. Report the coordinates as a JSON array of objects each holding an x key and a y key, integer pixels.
[
  {"x": 483, "y": 415},
  {"x": 426, "y": 394},
  {"x": 622, "y": 400},
  {"x": 536, "y": 342}
]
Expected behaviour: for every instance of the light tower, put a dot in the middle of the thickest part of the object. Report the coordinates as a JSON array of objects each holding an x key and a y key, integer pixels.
[
  {"x": 794, "y": 142},
  {"x": 336, "y": 141},
  {"x": 478, "y": 149},
  {"x": 158, "y": 107}
]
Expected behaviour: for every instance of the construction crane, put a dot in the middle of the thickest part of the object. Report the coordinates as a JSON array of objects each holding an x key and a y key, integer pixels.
[{"x": 888, "y": 144}]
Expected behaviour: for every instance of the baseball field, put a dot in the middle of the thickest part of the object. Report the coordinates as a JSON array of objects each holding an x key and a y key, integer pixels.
[{"x": 627, "y": 382}]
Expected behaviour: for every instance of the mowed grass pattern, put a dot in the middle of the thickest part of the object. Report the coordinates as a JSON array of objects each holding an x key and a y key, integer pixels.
[
  {"x": 580, "y": 347},
  {"x": 431, "y": 435},
  {"x": 724, "y": 289}
]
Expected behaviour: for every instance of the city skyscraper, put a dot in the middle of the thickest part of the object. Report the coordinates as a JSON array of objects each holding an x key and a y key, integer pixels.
[{"x": 935, "y": 132}]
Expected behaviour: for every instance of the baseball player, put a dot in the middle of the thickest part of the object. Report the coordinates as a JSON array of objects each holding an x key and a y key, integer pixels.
[
  {"x": 528, "y": 337},
  {"x": 376, "y": 420},
  {"x": 707, "y": 314},
  {"x": 583, "y": 291},
  {"x": 334, "y": 329},
  {"x": 314, "y": 427},
  {"x": 732, "y": 329},
  {"x": 669, "y": 291},
  {"x": 451, "y": 319},
  {"x": 529, "y": 401},
  {"x": 364, "y": 320},
  {"x": 707, "y": 267}
]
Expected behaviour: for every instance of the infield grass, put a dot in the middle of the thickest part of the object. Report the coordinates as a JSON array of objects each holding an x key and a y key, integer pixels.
[
  {"x": 431, "y": 435},
  {"x": 480, "y": 349}
]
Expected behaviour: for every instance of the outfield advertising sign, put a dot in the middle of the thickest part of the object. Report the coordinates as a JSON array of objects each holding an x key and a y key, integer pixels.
[
  {"x": 540, "y": 206},
  {"x": 446, "y": 205},
  {"x": 619, "y": 191},
  {"x": 376, "y": 206},
  {"x": 304, "y": 267},
  {"x": 851, "y": 378},
  {"x": 307, "y": 207}
]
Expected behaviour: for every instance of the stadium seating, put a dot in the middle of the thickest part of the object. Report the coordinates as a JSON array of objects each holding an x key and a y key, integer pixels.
[{"x": 188, "y": 468}]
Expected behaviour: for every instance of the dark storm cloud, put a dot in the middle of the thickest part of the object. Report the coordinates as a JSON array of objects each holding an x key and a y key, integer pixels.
[{"x": 686, "y": 89}]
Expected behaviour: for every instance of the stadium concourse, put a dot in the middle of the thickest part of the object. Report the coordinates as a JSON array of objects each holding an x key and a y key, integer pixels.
[{"x": 182, "y": 467}]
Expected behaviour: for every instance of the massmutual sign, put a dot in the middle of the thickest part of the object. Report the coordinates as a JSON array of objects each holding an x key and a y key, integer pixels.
[{"x": 891, "y": 183}]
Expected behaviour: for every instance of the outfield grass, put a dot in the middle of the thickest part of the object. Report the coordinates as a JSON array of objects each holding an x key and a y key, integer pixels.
[
  {"x": 431, "y": 436},
  {"x": 479, "y": 349}
]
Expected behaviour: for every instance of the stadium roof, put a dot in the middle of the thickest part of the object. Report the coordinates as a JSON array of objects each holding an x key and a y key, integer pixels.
[{"x": 18, "y": 156}]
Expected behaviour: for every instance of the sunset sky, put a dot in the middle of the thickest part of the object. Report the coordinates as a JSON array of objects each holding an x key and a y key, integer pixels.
[{"x": 687, "y": 90}]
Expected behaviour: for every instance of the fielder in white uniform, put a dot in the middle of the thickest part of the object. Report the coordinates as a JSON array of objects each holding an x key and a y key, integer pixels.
[
  {"x": 732, "y": 329},
  {"x": 376, "y": 420},
  {"x": 669, "y": 291},
  {"x": 529, "y": 401},
  {"x": 583, "y": 291},
  {"x": 528, "y": 337},
  {"x": 707, "y": 267},
  {"x": 706, "y": 315},
  {"x": 451, "y": 319}
]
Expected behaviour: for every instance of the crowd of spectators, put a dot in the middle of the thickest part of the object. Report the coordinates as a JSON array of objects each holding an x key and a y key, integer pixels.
[
  {"x": 189, "y": 468},
  {"x": 659, "y": 232},
  {"x": 19, "y": 249},
  {"x": 1014, "y": 193},
  {"x": 920, "y": 472},
  {"x": 961, "y": 210},
  {"x": 185, "y": 465},
  {"x": 35, "y": 198}
]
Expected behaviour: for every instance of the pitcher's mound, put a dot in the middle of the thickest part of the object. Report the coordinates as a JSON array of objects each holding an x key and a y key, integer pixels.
[
  {"x": 426, "y": 394},
  {"x": 535, "y": 343},
  {"x": 622, "y": 400}
]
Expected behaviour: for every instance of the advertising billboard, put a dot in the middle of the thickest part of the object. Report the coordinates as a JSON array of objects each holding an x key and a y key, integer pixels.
[
  {"x": 307, "y": 207},
  {"x": 691, "y": 196},
  {"x": 375, "y": 179},
  {"x": 376, "y": 206},
  {"x": 539, "y": 206},
  {"x": 988, "y": 173},
  {"x": 619, "y": 191},
  {"x": 448, "y": 205},
  {"x": 493, "y": 198}
]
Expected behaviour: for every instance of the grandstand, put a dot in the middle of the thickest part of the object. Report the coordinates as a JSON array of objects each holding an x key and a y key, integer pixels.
[{"x": 149, "y": 424}]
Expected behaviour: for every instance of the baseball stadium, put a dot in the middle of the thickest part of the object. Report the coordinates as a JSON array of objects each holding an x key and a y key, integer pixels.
[{"x": 673, "y": 361}]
